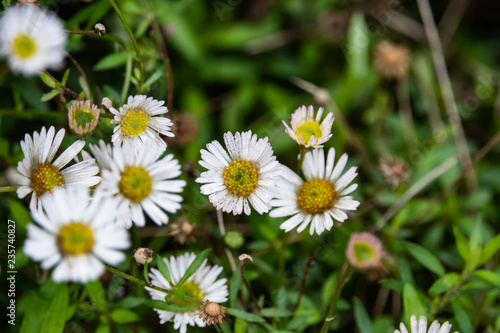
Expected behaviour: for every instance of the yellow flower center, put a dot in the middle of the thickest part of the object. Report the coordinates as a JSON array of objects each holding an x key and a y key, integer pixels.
[
  {"x": 76, "y": 238},
  {"x": 307, "y": 130},
  {"x": 24, "y": 46},
  {"x": 240, "y": 178},
  {"x": 316, "y": 196},
  {"x": 190, "y": 289},
  {"x": 44, "y": 177},
  {"x": 363, "y": 252},
  {"x": 135, "y": 183},
  {"x": 135, "y": 121}
]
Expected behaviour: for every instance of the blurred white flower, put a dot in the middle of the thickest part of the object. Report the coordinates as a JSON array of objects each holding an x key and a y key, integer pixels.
[
  {"x": 32, "y": 39},
  {"x": 421, "y": 326}
]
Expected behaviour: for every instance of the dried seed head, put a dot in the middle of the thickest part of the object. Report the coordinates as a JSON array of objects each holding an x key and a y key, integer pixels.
[
  {"x": 211, "y": 312},
  {"x": 182, "y": 231},
  {"x": 395, "y": 171},
  {"x": 100, "y": 29},
  {"x": 106, "y": 104},
  {"x": 185, "y": 129},
  {"x": 143, "y": 255},
  {"x": 392, "y": 60}
]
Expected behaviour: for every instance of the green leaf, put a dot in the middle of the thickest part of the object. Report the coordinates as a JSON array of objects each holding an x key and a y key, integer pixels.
[
  {"x": 425, "y": 257},
  {"x": 412, "y": 303},
  {"x": 395, "y": 285},
  {"x": 47, "y": 80},
  {"x": 240, "y": 326},
  {"x": 490, "y": 249},
  {"x": 444, "y": 283},
  {"x": 112, "y": 60},
  {"x": 84, "y": 86},
  {"x": 54, "y": 322},
  {"x": 488, "y": 276},
  {"x": 103, "y": 328},
  {"x": 163, "y": 268},
  {"x": 462, "y": 318},
  {"x": 162, "y": 305},
  {"x": 476, "y": 238},
  {"x": 194, "y": 266},
  {"x": 180, "y": 293},
  {"x": 48, "y": 96},
  {"x": 130, "y": 302},
  {"x": 357, "y": 50},
  {"x": 123, "y": 316},
  {"x": 463, "y": 246},
  {"x": 234, "y": 286},
  {"x": 146, "y": 276},
  {"x": 19, "y": 213},
  {"x": 275, "y": 312},
  {"x": 361, "y": 317},
  {"x": 244, "y": 315},
  {"x": 97, "y": 294},
  {"x": 65, "y": 77}
]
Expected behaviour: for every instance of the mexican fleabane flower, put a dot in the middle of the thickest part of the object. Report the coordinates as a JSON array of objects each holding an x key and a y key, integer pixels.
[
  {"x": 141, "y": 121},
  {"x": 39, "y": 174},
  {"x": 420, "y": 326},
  {"x": 102, "y": 153},
  {"x": 201, "y": 286},
  {"x": 307, "y": 130},
  {"x": 318, "y": 200},
  {"x": 32, "y": 39},
  {"x": 142, "y": 181},
  {"x": 83, "y": 117},
  {"x": 364, "y": 250},
  {"x": 75, "y": 234},
  {"x": 244, "y": 175}
]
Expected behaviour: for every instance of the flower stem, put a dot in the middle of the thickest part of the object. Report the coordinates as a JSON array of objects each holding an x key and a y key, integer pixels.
[
  {"x": 303, "y": 283},
  {"x": 345, "y": 274},
  {"x": 252, "y": 296},
  {"x": 132, "y": 38},
  {"x": 5, "y": 189}
]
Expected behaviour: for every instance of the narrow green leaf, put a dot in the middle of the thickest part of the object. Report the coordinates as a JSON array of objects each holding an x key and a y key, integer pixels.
[
  {"x": 194, "y": 266},
  {"x": 244, "y": 315},
  {"x": 54, "y": 322},
  {"x": 444, "y": 283},
  {"x": 103, "y": 328},
  {"x": 488, "y": 276},
  {"x": 97, "y": 294},
  {"x": 47, "y": 80},
  {"x": 180, "y": 293},
  {"x": 412, "y": 303},
  {"x": 161, "y": 305},
  {"x": 48, "y": 96},
  {"x": 275, "y": 312},
  {"x": 240, "y": 326},
  {"x": 85, "y": 87},
  {"x": 462, "y": 244},
  {"x": 146, "y": 276},
  {"x": 395, "y": 285},
  {"x": 361, "y": 317},
  {"x": 163, "y": 268},
  {"x": 490, "y": 249},
  {"x": 123, "y": 316},
  {"x": 112, "y": 60},
  {"x": 234, "y": 286},
  {"x": 357, "y": 50},
  {"x": 157, "y": 74},
  {"x": 462, "y": 318},
  {"x": 425, "y": 258},
  {"x": 476, "y": 238},
  {"x": 65, "y": 77},
  {"x": 130, "y": 302}
]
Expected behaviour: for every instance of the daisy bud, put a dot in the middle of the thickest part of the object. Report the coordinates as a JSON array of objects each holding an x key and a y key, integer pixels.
[
  {"x": 392, "y": 60},
  {"x": 244, "y": 257},
  {"x": 395, "y": 171},
  {"x": 83, "y": 117},
  {"x": 363, "y": 250},
  {"x": 234, "y": 239},
  {"x": 106, "y": 103},
  {"x": 211, "y": 312},
  {"x": 100, "y": 29},
  {"x": 143, "y": 255}
]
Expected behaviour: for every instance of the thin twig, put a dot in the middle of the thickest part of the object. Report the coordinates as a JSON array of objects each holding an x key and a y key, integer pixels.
[
  {"x": 303, "y": 283},
  {"x": 80, "y": 69},
  {"x": 447, "y": 91},
  {"x": 220, "y": 328},
  {"x": 68, "y": 91},
  {"x": 451, "y": 20},
  {"x": 252, "y": 296}
]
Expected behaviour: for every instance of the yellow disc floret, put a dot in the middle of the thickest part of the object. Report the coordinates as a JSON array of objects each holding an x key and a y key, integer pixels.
[
  {"x": 192, "y": 291},
  {"x": 44, "y": 177},
  {"x": 307, "y": 130},
  {"x": 75, "y": 238},
  {"x": 135, "y": 183},
  {"x": 135, "y": 121},
  {"x": 23, "y": 46},
  {"x": 316, "y": 196},
  {"x": 240, "y": 178}
]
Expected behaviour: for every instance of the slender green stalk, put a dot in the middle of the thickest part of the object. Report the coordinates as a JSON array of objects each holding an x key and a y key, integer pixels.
[
  {"x": 345, "y": 274},
  {"x": 5, "y": 189},
  {"x": 132, "y": 38}
]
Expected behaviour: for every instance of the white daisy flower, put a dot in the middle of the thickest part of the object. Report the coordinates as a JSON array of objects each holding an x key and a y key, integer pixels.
[
  {"x": 421, "y": 326},
  {"x": 41, "y": 175},
  {"x": 142, "y": 182},
  {"x": 247, "y": 174},
  {"x": 138, "y": 122},
  {"x": 306, "y": 129},
  {"x": 75, "y": 234},
  {"x": 32, "y": 39},
  {"x": 103, "y": 154},
  {"x": 320, "y": 198},
  {"x": 202, "y": 285}
]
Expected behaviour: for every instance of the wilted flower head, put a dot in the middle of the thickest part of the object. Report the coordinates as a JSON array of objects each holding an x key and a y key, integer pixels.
[
  {"x": 395, "y": 171},
  {"x": 83, "y": 117},
  {"x": 421, "y": 326},
  {"x": 363, "y": 250},
  {"x": 392, "y": 60},
  {"x": 185, "y": 128},
  {"x": 211, "y": 312},
  {"x": 306, "y": 128},
  {"x": 182, "y": 231},
  {"x": 143, "y": 255}
]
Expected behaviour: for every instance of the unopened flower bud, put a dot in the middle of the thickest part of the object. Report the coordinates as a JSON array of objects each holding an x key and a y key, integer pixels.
[
  {"x": 143, "y": 255},
  {"x": 83, "y": 117},
  {"x": 106, "y": 103},
  {"x": 100, "y": 29},
  {"x": 234, "y": 239}
]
